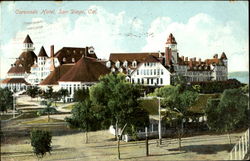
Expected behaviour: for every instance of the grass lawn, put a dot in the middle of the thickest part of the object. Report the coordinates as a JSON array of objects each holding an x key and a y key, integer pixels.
[
  {"x": 69, "y": 107},
  {"x": 152, "y": 105},
  {"x": 102, "y": 146},
  {"x": 42, "y": 121}
]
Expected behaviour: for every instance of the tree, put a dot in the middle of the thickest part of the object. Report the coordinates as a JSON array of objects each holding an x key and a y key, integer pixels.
[
  {"x": 56, "y": 96},
  {"x": 47, "y": 94},
  {"x": 224, "y": 114},
  {"x": 82, "y": 117},
  {"x": 48, "y": 109},
  {"x": 120, "y": 99},
  {"x": 6, "y": 99},
  {"x": 41, "y": 142},
  {"x": 177, "y": 100},
  {"x": 64, "y": 93},
  {"x": 81, "y": 94},
  {"x": 33, "y": 91}
]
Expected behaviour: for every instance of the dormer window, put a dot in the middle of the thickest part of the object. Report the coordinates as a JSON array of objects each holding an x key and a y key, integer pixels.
[
  {"x": 74, "y": 51},
  {"x": 108, "y": 64},
  {"x": 134, "y": 63},
  {"x": 20, "y": 65},
  {"x": 121, "y": 70},
  {"x": 112, "y": 69},
  {"x": 64, "y": 59},
  {"x": 125, "y": 64},
  {"x": 117, "y": 64},
  {"x": 73, "y": 59}
]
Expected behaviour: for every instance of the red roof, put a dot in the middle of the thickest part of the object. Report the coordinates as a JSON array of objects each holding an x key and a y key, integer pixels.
[
  {"x": 26, "y": 59},
  {"x": 171, "y": 39},
  {"x": 151, "y": 58},
  {"x": 139, "y": 57},
  {"x": 14, "y": 81},
  {"x": 28, "y": 40},
  {"x": 42, "y": 52},
  {"x": 16, "y": 69},
  {"x": 68, "y": 53},
  {"x": 54, "y": 76},
  {"x": 85, "y": 70}
]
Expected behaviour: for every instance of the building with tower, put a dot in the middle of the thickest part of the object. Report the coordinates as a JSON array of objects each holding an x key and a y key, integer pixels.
[{"x": 159, "y": 68}]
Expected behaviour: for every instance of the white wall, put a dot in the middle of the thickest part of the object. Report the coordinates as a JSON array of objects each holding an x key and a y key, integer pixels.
[{"x": 151, "y": 71}]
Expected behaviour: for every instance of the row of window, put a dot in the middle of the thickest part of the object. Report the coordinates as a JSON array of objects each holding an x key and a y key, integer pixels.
[
  {"x": 150, "y": 81},
  {"x": 149, "y": 64},
  {"x": 150, "y": 72}
]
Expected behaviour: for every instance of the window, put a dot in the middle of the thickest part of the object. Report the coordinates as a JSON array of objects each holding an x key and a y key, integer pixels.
[
  {"x": 125, "y": 64},
  {"x": 144, "y": 71},
  {"x": 161, "y": 71},
  {"x": 134, "y": 63},
  {"x": 158, "y": 71},
  {"x": 154, "y": 71},
  {"x": 138, "y": 80},
  {"x": 151, "y": 72},
  {"x": 108, "y": 64},
  {"x": 157, "y": 80},
  {"x": 117, "y": 64},
  {"x": 133, "y": 81},
  {"x": 152, "y": 81},
  {"x": 161, "y": 81},
  {"x": 138, "y": 72},
  {"x": 142, "y": 81}
]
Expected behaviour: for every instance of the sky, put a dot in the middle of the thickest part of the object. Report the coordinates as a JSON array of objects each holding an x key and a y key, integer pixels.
[{"x": 201, "y": 28}]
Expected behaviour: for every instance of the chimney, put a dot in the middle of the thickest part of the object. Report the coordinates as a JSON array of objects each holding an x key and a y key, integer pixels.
[
  {"x": 199, "y": 60},
  {"x": 182, "y": 57},
  {"x": 86, "y": 51},
  {"x": 168, "y": 55},
  {"x": 190, "y": 62},
  {"x": 52, "y": 51},
  {"x": 186, "y": 58},
  {"x": 52, "y": 65}
]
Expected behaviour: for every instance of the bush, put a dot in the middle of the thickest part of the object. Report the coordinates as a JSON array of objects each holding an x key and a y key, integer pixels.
[
  {"x": 41, "y": 142},
  {"x": 217, "y": 86},
  {"x": 43, "y": 102},
  {"x": 45, "y": 111}
]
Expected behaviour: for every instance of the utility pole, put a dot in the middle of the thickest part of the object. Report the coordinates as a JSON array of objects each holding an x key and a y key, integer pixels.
[
  {"x": 146, "y": 132},
  {"x": 159, "y": 125}
]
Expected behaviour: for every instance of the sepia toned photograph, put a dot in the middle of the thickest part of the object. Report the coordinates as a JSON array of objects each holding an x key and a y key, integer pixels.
[{"x": 124, "y": 80}]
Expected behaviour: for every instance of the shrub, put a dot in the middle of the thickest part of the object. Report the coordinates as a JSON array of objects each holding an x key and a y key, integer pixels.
[{"x": 41, "y": 142}]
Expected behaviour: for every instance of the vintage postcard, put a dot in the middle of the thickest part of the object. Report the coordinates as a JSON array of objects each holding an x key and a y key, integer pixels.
[{"x": 124, "y": 80}]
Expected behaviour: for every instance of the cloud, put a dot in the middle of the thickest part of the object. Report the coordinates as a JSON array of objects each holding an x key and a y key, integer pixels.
[
  {"x": 102, "y": 30},
  {"x": 202, "y": 36}
]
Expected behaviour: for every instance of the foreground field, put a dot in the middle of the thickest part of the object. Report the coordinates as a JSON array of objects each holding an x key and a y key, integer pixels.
[{"x": 103, "y": 147}]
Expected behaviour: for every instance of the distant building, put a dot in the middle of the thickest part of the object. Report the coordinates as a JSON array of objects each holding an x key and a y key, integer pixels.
[
  {"x": 18, "y": 73},
  {"x": 158, "y": 68}
]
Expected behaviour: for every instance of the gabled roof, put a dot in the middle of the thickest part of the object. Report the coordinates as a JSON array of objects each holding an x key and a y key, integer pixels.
[
  {"x": 86, "y": 70},
  {"x": 171, "y": 39},
  {"x": 151, "y": 58},
  {"x": 28, "y": 40},
  {"x": 139, "y": 57},
  {"x": 223, "y": 56},
  {"x": 71, "y": 52},
  {"x": 54, "y": 76},
  {"x": 14, "y": 80},
  {"x": 16, "y": 70},
  {"x": 42, "y": 52}
]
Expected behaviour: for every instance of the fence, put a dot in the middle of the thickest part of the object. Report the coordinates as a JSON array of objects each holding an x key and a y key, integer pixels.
[{"x": 240, "y": 150}]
